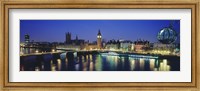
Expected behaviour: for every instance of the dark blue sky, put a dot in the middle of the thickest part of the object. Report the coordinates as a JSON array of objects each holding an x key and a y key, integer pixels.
[{"x": 54, "y": 30}]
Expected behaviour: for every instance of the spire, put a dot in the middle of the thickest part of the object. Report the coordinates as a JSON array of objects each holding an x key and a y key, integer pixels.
[{"x": 99, "y": 32}]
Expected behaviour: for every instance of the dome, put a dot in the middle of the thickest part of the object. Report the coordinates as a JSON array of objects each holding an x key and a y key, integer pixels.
[{"x": 167, "y": 36}]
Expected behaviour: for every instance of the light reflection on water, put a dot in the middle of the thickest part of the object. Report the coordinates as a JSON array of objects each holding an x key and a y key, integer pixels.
[{"x": 98, "y": 62}]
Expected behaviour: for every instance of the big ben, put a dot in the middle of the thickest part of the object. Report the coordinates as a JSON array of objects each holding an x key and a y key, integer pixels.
[{"x": 99, "y": 38}]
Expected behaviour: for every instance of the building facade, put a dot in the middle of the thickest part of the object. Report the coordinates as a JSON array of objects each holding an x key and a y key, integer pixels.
[
  {"x": 141, "y": 45},
  {"x": 99, "y": 40},
  {"x": 68, "y": 38},
  {"x": 95, "y": 46},
  {"x": 27, "y": 38},
  {"x": 126, "y": 45},
  {"x": 70, "y": 41}
]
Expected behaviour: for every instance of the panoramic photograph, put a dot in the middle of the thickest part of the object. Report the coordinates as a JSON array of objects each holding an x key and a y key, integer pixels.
[{"x": 100, "y": 45}]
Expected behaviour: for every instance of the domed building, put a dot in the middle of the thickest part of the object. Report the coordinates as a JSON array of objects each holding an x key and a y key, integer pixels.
[
  {"x": 166, "y": 45},
  {"x": 167, "y": 36}
]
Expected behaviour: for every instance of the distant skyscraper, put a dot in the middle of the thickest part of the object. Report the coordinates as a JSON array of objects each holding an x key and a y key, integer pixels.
[
  {"x": 99, "y": 40},
  {"x": 27, "y": 38}
]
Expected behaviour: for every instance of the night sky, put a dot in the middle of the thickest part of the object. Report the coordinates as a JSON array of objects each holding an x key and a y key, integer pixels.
[{"x": 54, "y": 30}]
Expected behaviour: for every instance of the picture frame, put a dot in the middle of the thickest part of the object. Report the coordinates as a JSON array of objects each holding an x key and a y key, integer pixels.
[{"x": 157, "y": 86}]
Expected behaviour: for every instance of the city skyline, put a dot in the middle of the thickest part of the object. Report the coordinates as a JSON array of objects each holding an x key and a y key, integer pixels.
[
  {"x": 44, "y": 30},
  {"x": 56, "y": 47}
]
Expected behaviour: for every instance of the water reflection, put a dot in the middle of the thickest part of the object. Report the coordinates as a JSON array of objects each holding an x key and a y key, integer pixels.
[{"x": 97, "y": 62}]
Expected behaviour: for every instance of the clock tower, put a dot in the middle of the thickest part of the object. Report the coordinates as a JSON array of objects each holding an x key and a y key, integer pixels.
[{"x": 99, "y": 38}]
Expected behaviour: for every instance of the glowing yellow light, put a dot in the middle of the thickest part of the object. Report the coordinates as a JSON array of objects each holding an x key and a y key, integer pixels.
[
  {"x": 36, "y": 51},
  {"x": 152, "y": 64},
  {"x": 53, "y": 50},
  {"x": 168, "y": 68}
]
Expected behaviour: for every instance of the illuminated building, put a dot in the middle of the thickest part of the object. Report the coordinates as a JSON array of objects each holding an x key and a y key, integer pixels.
[
  {"x": 167, "y": 36},
  {"x": 27, "y": 38},
  {"x": 69, "y": 41},
  {"x": 166, "y": 49},
  {"x": 141, "y": 45},
  {"x": 71, "y": 44},
  {"x": 120, "y": 45},
  {"x": 96, "y": 45},
  {"x": 112, "y": 45},
  {"x": 166, "y": 45},
  {"x": 99, "y": 40},
  {"x": 90, "y": 46},
  {"x": 126, "y": 45},
  {"x": 70, "y": 47}
]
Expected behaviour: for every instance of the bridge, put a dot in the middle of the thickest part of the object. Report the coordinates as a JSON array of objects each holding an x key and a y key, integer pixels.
[
  {"x": 103, "y": 52},
  {"x": 62, "y": 50}
]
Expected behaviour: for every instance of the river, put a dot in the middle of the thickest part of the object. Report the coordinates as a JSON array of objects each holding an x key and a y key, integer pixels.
[{"x": 99, "y": 62}]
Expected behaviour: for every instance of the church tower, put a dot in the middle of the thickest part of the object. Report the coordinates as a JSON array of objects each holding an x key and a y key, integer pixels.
[
  {"x": 99, "y": 38},
  {"x": 68, "y": 38}
]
